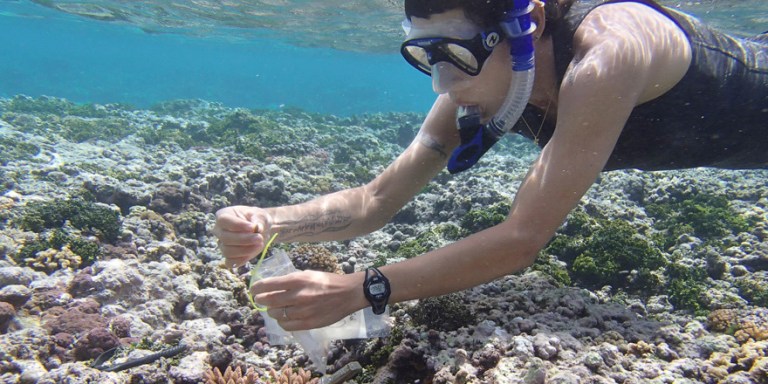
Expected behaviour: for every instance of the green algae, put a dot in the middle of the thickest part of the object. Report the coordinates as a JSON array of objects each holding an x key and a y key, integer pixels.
[
  {"x": 709, "y": 217},
  {"x": 91, "y": 218},
  {"x": 16, "y": 149},
  {"x": 444, "y": 313},
  {"x": 58, "y": 240},
  {"x": 480, "y": 219}
]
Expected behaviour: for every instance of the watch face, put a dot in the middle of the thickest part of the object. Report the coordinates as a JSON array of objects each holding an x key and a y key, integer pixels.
[{"x": 377, "y": 289}]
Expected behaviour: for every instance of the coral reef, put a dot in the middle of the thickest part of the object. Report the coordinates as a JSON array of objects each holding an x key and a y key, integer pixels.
[
  {"x": 445, "y": 313},
  {"x": 86, "y": 216},
  {"x": 703, "y": 215},
  {"x": 55, "y": 249},
  {"x": 743, "y": 324},
  {"x": 477, "y": 220},
  {"x": 607, "y": 252},
  {"x": 15, "y": 149},
  {"x": 286, "y": 375},
  {"x": 650, "y": 266},
  {"x": 315, "y": 257},
  {"x": 230, "y": 376}
]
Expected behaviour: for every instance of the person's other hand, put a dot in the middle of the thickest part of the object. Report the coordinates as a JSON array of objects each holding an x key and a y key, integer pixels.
[
  {"x": 242, "y": 232},
  {"x": 309, "y": 299}
]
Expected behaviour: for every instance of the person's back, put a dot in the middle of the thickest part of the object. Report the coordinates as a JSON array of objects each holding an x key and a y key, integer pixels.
[{"x": 715, "y": 116}]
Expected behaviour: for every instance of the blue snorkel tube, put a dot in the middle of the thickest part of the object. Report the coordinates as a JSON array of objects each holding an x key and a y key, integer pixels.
[{"x": 476, "y": 138}]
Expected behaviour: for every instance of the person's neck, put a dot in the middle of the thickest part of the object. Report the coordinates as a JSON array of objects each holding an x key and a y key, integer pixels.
[{"x": 545, "y": 89}]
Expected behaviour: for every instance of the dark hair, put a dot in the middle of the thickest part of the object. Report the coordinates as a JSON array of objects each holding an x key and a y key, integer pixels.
[{"x": 484, "y": 13}]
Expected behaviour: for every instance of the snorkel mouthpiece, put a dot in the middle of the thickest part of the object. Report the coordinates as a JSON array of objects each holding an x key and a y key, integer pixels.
[{"x": 476, "y": 138}]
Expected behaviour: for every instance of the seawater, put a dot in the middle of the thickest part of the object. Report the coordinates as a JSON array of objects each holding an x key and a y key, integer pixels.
[
  {"x": 329, "y": 57},
  {"x": 46, "y": 52}
]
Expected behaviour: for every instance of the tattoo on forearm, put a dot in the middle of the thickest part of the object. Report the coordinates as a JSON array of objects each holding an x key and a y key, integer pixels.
[
  {"x": 313, "y": 225},
  {"x": 429, "y": 142}
]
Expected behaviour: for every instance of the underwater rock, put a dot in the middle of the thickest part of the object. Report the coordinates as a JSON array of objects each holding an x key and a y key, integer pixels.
[
  {"x": 169, "y": 197},
  {"x": 82, "y": 372},
  {"x": 7, "y": 313},
  {"x": 191, "y": 368},
  {"x": 32, "y": 371},
  {"x": 16, "y": 295},
  {"x": 94, "y": 343},
  {"x": 202, "y": 334},
  {"x": 18, "y": 276},
  {"x": 191, "y": 224},
  {"x": 546, "y": 347},
  {"x": 120, "y": 326},
  {"x": 216, "y": 303},
  {"x": 83, "y": 284},
  {"x": 77, "y": 318},
  {"x": 26, "y": 348},
  {"x": 487, "y": 357},
  {"x": 316, "y": 258},
  {"x": 45, "y": 298},
  {"x": 111, "y": 191},
  {"x": 593, "y": 361}
]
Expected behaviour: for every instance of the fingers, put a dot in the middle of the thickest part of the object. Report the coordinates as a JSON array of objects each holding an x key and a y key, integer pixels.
[
  {"x": 240, "y": 231},
  {"x": 237, "y": 261},
  {"x": 230, "y": 219},
  {"x": 274, "y": 291},
  {"x": 306, "y": 299},
  {"x": 239, "y": 248}
]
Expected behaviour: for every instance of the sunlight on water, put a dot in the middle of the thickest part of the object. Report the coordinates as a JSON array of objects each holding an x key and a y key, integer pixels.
[
  {"x": 335, "y": 56},
  {"x": 362, "y": 25}
]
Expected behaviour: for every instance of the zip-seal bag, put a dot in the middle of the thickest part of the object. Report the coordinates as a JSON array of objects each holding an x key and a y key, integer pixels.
[{"x": 316, "y": 342}]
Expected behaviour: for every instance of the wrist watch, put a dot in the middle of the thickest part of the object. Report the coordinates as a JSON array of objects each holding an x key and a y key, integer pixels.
[{"x": 376, "y": 289}]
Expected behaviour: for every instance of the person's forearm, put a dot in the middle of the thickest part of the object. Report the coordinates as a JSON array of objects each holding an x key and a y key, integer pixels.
[
  {"x": 477, "y": 259},
  {"x": 337, "y": 216}
]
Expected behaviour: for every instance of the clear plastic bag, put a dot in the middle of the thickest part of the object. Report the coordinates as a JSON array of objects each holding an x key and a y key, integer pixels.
[{"x": 316, "y": 342}]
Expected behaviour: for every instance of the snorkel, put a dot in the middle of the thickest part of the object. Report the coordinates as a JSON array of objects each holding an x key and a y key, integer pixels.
[{"x": 478, "y": 138}]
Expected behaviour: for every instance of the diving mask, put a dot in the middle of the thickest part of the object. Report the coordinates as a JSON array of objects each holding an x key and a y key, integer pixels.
[{"x": 468, "y": 55}]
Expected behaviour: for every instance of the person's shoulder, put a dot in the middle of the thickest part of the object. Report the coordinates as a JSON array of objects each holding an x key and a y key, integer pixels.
[
  {"x": 636, "y": 40},
  {"x": 630, "y": 22},
  {"x": 628, "y": 14}
]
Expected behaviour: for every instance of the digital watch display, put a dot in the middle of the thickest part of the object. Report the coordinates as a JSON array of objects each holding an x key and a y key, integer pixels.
[{"x": 376, "y": 289}]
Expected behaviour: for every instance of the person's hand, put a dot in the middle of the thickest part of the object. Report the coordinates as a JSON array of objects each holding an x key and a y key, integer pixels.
[
  {"x": 242, "y": 232},
  {"x": 309, "y": 299}
]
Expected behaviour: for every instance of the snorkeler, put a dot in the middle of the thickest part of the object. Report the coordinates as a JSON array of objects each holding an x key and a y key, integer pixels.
[{"x": 601, "y": 85}]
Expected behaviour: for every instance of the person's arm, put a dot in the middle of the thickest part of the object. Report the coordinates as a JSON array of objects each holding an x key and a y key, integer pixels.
[
  {"x": 616, "y": 67},
  {"x": 358, "y": 211},
  {"x": 242, "y": 231}
]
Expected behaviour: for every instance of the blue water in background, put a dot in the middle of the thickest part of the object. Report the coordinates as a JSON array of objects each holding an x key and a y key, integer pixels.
[{"x": 46, "y": 52}]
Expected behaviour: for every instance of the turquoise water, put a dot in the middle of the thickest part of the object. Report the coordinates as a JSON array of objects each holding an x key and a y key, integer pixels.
[
  {"x": 330, "y": 57},
  {"x": 46, "y": 52}
]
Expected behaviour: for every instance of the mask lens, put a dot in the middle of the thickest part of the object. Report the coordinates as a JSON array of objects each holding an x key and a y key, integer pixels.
[
  {"x": 462, "y": 57},
  {"x": 418, "y": 56}
]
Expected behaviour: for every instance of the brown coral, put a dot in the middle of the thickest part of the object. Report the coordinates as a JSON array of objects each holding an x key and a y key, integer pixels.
[
  {"x": 51, "y": 260},
  {"x": 744, "y": 325},
  {"x": 721, "y": 320},
  {"x": 160, "y": 228},
  {"x": 286, "y": 375},
  {"x": 292, "y": 376},
  {"x": 316, "y": 258},
  {"x": 230, "y": 376},
  {"x": 641, "y": 348}
]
